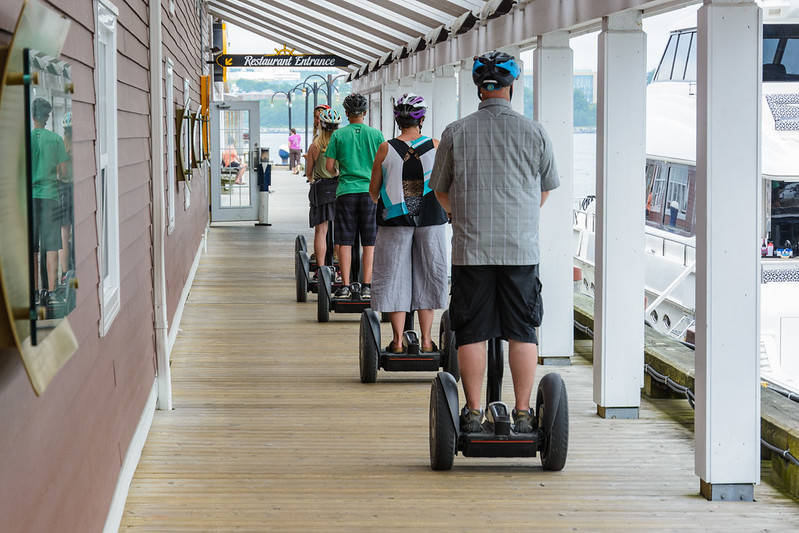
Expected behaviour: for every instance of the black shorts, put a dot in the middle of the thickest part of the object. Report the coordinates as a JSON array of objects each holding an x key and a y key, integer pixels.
[
  {"x": 46, "y": 225},
  {"x": 495, "y": 301},
  {"x": 355, "y": 211},
  {"x": 65, "y": 191}
]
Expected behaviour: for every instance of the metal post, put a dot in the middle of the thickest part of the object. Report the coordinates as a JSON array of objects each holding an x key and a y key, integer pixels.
[{"x": 306, "y": 121}]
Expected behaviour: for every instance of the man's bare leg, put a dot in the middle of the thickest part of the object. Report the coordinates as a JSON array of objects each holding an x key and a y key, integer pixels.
[
  {"x": 345, "y": 262},
  {"x": 523, "y": 359},
  {"x": 472, "y": 364},
  {"x": 368, "y": 257}
]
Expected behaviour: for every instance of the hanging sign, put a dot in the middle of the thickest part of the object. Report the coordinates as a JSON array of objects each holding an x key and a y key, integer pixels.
[{"x": 280, "y": 60}]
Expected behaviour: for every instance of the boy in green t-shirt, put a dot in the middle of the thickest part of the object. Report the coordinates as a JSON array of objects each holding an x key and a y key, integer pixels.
[
  {"x": 49, "y": 166},
  {"x": 354, "y": 147}
]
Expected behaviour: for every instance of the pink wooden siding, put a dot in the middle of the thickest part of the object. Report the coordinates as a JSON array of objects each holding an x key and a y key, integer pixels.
[{"x": 60, "y": 453}]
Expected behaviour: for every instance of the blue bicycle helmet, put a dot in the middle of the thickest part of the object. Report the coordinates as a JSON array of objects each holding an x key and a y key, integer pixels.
[{"x": 493, "y": 70}]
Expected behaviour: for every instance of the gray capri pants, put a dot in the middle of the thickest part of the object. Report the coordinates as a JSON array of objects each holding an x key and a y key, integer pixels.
[{"x": 409, "y": 269}]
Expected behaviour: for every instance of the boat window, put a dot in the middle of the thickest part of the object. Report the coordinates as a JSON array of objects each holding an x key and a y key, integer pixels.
[
  {"x": 667, "y": 61},
  {"x": 656, "y": 187},
  {"x": 780, "y": 52},
  {"x": 690, "y": 66},
  {"x": 679, "y": 215},
  {"x": 785, "y": 214},
  {"x": 681, "y": 56}
]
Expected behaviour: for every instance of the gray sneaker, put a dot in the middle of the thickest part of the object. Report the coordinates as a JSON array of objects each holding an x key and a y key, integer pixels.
[
  {"x": 366, "y": 291},
  {"x": 471, "y": 420},
  {"x": 342, "y": 292},
  {"x": 523, "y": 421}
]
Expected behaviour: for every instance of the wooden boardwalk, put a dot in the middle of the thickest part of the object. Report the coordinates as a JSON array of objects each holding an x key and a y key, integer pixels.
[{"x": 273, "y": 431}]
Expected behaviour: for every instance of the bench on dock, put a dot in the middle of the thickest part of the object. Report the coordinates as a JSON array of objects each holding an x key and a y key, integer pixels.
[
  {"x": 228, "y": 175},
  {"x": 779, "y": 416}
]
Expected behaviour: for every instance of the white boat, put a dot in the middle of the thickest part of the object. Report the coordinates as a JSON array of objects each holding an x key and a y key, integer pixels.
[{"x": 671, "y": 183}]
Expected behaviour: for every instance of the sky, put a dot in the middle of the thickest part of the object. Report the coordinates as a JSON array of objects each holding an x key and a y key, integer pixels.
[{"x": 241, "y": 41}]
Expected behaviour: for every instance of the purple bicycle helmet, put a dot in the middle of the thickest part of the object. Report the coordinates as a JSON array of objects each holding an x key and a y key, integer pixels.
[{"x": 409, "y": 109}]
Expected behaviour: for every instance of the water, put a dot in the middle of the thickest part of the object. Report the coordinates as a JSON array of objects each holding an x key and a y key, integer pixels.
[{"x": 584, "y": 162}]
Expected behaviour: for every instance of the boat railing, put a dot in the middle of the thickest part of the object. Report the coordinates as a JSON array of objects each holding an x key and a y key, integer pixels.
[
  {"x": 582, "y": 211},
  {"x": 671, "y": 247}
]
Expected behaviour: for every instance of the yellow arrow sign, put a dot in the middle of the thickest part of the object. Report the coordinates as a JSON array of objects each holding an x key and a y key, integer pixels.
[{"x": 228, "y": 61}]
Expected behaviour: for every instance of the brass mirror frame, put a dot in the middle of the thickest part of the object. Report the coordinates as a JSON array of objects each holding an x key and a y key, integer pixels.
[{"x": 41, "y": 28}]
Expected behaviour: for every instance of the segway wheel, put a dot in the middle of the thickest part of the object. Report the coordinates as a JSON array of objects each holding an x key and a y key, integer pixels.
[
  {"x": 323, "y": 302},
  {"x": 446, "y": 343},
  {"x": 300, "y": 277},
  {"x": 442, "y": 434},
  {"x": 300, "y": 244},
  {"x": 368, "y": 351},
  {"x": 555, "y": 439}
]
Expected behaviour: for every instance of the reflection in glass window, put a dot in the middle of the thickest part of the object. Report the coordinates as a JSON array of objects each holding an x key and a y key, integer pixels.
[
  {"x": 681, "y": 56},
  {"x": 667, "y": 61}
]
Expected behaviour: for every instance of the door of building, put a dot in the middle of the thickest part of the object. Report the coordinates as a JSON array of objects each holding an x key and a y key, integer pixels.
[{"x": 235, "y": 136}]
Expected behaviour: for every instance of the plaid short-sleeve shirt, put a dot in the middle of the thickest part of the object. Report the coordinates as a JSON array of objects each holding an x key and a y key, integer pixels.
[{"x": 494, "y": 164}]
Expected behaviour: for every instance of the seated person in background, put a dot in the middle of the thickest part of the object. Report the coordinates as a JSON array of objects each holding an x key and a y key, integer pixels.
[
  {"x": 410, "y": 263},
  {"x": 230, "y": 159}
]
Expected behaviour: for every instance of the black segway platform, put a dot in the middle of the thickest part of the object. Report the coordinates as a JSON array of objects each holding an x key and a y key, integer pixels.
[
  {"x": 304, "y": 269},
  {"x": 497, "y": 438},
  {"x": 328, "y": 302},
  {"x": 372, "y": 357}
]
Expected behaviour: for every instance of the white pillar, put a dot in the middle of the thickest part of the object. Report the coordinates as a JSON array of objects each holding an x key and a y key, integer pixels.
[
  {"x": 620, "y": 231},
  {"x": 467, "y": 90},
  {"x": 391, "y": 91},
  {"x": 444, "y": 107},
  {"x": 553, "y": 61},
  {"x": 423, "y": 86},
  {"x": 518, "y": 86},
  {"x": 728, "y": 199}
]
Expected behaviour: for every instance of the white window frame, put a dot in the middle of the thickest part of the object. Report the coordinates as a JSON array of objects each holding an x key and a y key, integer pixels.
[
  {"x": 171, "y": 183},
  {"x": 108, "y": 167}
]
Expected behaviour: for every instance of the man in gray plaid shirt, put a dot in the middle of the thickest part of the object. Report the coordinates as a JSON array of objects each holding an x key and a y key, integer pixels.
[{"x": 492, "y": 173}]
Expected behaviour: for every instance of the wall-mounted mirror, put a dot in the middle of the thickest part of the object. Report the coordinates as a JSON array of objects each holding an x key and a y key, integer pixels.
[
  {"x": 36, "y": 166},
  {"x": 48, "y": 115},
  {"x": 197, "y": 156},
  {"x": 183, "y": 120}
]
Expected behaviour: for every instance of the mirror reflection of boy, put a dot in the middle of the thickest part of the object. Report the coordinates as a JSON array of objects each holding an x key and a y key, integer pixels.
[{"x": 48, "y": 163}]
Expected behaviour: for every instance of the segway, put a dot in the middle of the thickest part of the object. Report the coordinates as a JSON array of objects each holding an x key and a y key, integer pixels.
[
  {"x": 497, "y": 437},
  {"x": 372, "y": 357},
  {"x": 305, "y": 267}
]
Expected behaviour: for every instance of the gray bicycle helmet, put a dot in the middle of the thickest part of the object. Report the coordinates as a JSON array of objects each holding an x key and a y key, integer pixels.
[{"x": 355, "y": 103}]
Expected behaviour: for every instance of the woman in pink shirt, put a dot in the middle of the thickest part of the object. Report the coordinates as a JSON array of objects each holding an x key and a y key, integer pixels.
[{"x": 295, "y": 151}]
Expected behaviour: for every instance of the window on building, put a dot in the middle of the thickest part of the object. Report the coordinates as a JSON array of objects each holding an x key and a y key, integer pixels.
[{"x": 108, "y": 171}]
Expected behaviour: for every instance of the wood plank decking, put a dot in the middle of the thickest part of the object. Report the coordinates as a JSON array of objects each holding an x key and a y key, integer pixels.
[{"x": 272, "y": 430}]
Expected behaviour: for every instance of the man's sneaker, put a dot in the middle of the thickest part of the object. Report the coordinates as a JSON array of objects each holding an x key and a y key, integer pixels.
[
  {"x": 523, "y": 421},
  {"x": 342, "y": 292},
  {"x": 471, "y": 420},
  {"x": 366, "y": 291}
]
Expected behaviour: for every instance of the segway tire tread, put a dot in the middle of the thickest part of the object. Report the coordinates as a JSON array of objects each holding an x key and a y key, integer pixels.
[
  {"x": 555, "y": 443},
  {"x": 442, "y": 434}
]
